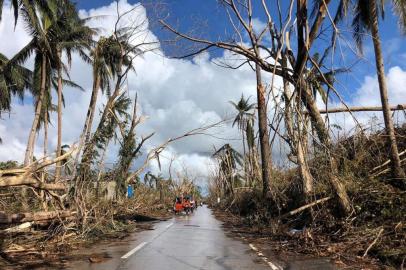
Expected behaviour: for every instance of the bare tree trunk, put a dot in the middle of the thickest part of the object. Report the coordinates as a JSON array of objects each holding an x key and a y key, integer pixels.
[
  {"x": 87, "y": 128},
  {"x": 101, "y": 170},
  {"x": 36, "y": 216},
  {"x": 304, "y": 170},
  {"x": 43, "y": 176},
  {"x": 397, "y": 170},
  {"x": 296, "y": 139},
  {"x": 106, "y": 111},
  {"x": 246, "y": 162},
  {"x": 399, "y": 107},
  {"x": 310, "y": 102},
  {"x": 29, "y": 152},
  {"x": 46, "y": 135},
  {"x": 31, "y": 138},
  {"x": 59, "y": 136},
  {"x": 263, "y": 133},
  {"x": 92, "y": 108}
]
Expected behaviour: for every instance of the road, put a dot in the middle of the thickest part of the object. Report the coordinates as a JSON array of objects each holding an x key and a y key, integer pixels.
[{"x": 189, "y": 242}]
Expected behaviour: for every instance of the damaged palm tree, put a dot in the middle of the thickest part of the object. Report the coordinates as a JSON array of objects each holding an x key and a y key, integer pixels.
[
  {"x": 130, "y": 149},
  {"x": 228, "y": 160},
  {"x": 113, "y": 57},
  {"x": 245, "y": 119}
]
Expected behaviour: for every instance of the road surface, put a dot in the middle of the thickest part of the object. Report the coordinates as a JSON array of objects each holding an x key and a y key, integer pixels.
[{"x": 189, "y": 242}]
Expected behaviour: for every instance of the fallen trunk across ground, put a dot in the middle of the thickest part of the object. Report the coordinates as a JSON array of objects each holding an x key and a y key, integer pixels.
[{"x": 36, "y": 216}]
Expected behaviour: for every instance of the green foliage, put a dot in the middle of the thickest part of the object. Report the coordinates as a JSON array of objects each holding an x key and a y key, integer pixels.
[
  {"x": 245, "y": 115},
  {"x": 127, "y": 153},
  {"x": 14, "y": 80},
  {"x": 10, "y": 164},
  {"x": 60, "y": 29}
]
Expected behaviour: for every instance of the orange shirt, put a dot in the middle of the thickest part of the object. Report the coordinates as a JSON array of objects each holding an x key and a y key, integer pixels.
[{"x": 178, "y": 206}]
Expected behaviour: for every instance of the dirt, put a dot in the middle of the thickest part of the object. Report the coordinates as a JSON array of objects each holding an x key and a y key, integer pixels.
[
  {"x": 53, "y": 255},
  {"x": 305, "y": 245}
]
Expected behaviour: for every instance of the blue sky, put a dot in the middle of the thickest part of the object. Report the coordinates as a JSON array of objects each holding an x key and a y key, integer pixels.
[{"x": 185, "y": 13}]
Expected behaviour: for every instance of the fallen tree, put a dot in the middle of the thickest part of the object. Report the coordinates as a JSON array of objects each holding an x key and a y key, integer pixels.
[
  {"x": 399, "y": 107},
  {"x": 30, "y": 175},
  {"x": 33, "y": 216},
  {"x": 25, "y": 180}
]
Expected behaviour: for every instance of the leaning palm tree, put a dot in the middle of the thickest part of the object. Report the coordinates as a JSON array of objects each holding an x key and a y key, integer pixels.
[
  {"x": 104, "y": 65},
  {"x": 366, "y": 20},
  {"x": 118, "y": 56}
]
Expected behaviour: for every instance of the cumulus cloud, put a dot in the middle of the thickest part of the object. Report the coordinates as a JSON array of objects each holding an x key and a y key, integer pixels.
[
  {"x": 177, "y": 95},
  {"x": 368, "y": 95}
]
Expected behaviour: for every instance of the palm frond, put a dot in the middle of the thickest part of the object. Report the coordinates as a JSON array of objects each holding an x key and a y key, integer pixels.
[
  {"x": 361, "y": 23},
  {"x": 25, "y": 53},
  {"x": 400, "y": 9},
  {"x": 72, "y": 84}
]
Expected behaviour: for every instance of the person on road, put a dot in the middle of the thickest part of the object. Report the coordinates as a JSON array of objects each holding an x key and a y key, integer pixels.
[
  {"x": 178, "y": 206},
  {"x": 186, "y": 205}
]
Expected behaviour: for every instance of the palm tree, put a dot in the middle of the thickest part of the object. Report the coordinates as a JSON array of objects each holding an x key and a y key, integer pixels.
[
  {"x": 366, "y": 20},
  {"x": 43, "y": 62},
  {"x": 245, "y": 120},
  {"x": 44, "y": 46},
  {"x": 229, "y": 159},
  {"x": 72, "y": 35},
  {"x": 104, "y": 69},
  {"x": 30, "y": 7},
  {"x": 114, "y": 61},
  {"x": 14, "y": 80},
  {"x": 245, "y": 117}
]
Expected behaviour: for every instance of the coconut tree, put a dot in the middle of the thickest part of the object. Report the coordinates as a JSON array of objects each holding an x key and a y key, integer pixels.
[
  {"x": 71, "y": 35},
  {"x": 366, "y": 20},
  {"x": 31, "y": 6},
  {"x": 245, "y": 119},
  {"x": 245, "y": 115},
  {"x": 44, "y": 59},
  {"x": 104, "y": 63},
  {"x": 115, "y": 61},
  {"x": 229, "y": 159},
  {"x": 14, "y": 80},
  {"x": 46, "y": 62}
]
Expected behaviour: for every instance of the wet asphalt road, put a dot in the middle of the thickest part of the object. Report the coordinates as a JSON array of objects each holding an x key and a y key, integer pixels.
[
  {"x": 189, "y": 242},
  {"x": 193, "y": 242}
]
